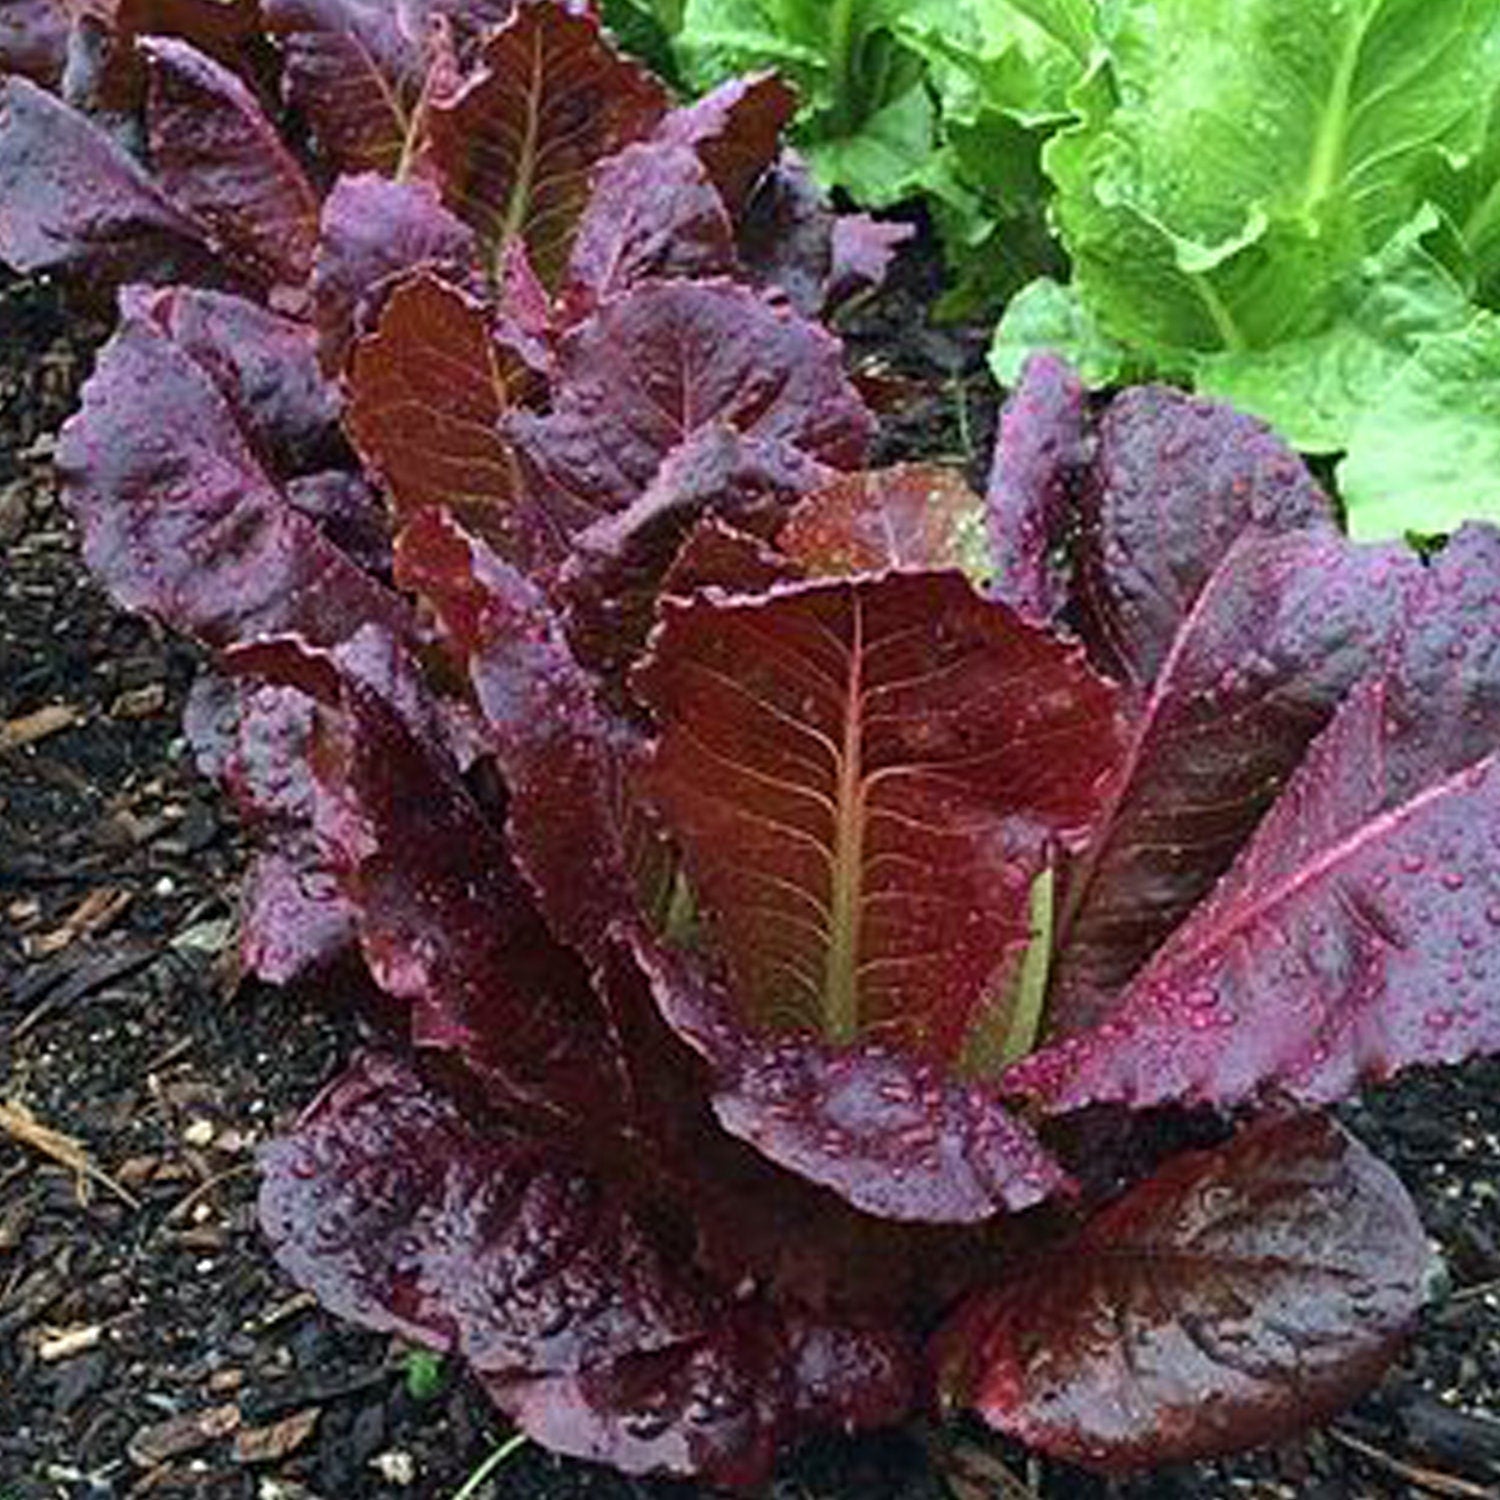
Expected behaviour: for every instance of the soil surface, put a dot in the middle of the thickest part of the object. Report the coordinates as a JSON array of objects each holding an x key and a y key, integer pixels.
[{"x": 148, "y": 1346}]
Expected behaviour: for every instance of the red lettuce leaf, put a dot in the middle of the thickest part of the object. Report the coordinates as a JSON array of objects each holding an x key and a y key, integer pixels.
[
  {"x": 826, "y": 750},
  {"x": 559, "y": 754},
  {"x": 179, "y": 514},
  {"x": 364, "y": 72},
  {"x": 735, "y": 131},
  {"x": 34, "y": 40},
  {"x": 611, "y": 579},
  {"x": 373, "y": 231},
  {"x": 1352, "y": 936},
  {"x": 1228, "y": 1301},
  {"x": 860, "y": 254},
  {"x": 514, "y": 146},
  {"x": 890, "y": 1134},
  {"x": 1174, "y": 480},
  {"x": 427, "y": 393},
  {"x": 650, "y": 369},
  {"x": 1040, "y": 451},
  {"x": 214, "y": 153},
  {"x": 75, "y": 198},
  {"x": 717, "y": 555},
  {"x": 1280, "y": 631},
  {"x": 911, "y": 516},
  {"x": 652, "y": 211},
  {"x": 399, "y": 1213}
]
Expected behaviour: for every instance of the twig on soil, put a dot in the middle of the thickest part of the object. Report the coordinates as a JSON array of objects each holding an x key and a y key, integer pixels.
[
  {"x": 22, "y": 1126},
  {"x": 30, "y": 728},
  {"x": 1431, "y": 1480},
  {"x": 179, "y": 1210},
  {"x": 1475, "y": 1292},
  {"x": 470, "y": 1486}
]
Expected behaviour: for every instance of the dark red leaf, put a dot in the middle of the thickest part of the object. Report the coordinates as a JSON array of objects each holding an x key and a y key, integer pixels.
[
  {"x": 73, "y": 197},
  {"x": 1353, "y": 935},
  {"x": 364, "y": 72},
  {"x": 559, "y": 754},
  {"x": 1230, "y": 1300},
  {"x": 374, "y": 230},
  {"x": 428, "y": 390},
  {"x": 514, "y": 147},
  {"x": 716, "y": 555},
  {"x": 400, "y": 1214},
  {"x": 650, "y": 369},
  {"x": 1040, "y": 451},
  {"x": 864, "y": 778},
  {"x": 911, "y": 517},
  {"x": 1174, "y": 480},
  {"x": 888, "y": 1133},
  {"x": 214, "y": 152},
  {"x": 736, "y": 132},
  {"x": 1280, "y": 631},
  {"x": 179, "y": 515},
  {"x": 652, "y": 211},
  {"x": 614, "y": 574}
]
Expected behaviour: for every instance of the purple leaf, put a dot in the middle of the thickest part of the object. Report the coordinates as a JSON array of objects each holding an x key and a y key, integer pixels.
[
  {"x": 179, "y": 515},
  {"x": 1040, "y": 451},
  {"x": 1230, "y": 1300},
  {"x": 402, "y": 1215},
  {"x": 71, "y": 196},
  {"x": 786, "y": 236},
  {"x": 1174, "y": 480},
  {"x": 1352, "y": 936},
  {"x": 826, "y": 750},
  {"x": 652, "y": 211},
  {"x": 888, "y": 1133},
  {"x": 34, "y": 40},
  {"x": 1280, "y": 631},
  {"x": 650, "y": 369},
  {"x": 216, "y": 154},
  {"x": 372, "y": 231},
  {"x": 514, "y": 146},
  {"x": 428, "y": 391},
  {"x": 736, "y": 131},
  {"x": 909, "y": 517},
  {"x": 365, "y": 73},
  {"x": 860, "y": 255},
  {"x": 614, "y": 574}
]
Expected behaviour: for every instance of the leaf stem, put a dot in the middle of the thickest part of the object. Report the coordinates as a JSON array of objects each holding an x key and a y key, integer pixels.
[
  {"x": 841, "y": 65},
  {"x": 840, "y": 990}
]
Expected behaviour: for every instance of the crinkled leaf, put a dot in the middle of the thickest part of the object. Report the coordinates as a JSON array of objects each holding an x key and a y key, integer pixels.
[
  {"x": 736, "y": 131},
  {"x": 558, "y": 752},
  {"x": 825, "y": 750},
  {"x": 655, "y": 366},
  {"x": 400, "y": 1214},
  {"x": 1283, "y": 627},
  {"x": 444, "y": 918},
  {"x": 1352, "y": 937},
  {"x": 515, "y": 145},
  {"x": 179, "y": 515},
  {"x": 1228, "y": 1301},
  {"x": 1040, "y": 449},
  {"x": 910, "y": 517},
  {"x": 1424, "y": 456},
  {"x": 428, "y": 390},
  {"x": 887, "y": 1132},
  {"x": 372, "y": 231},
  {"x": 1046, "y": 316},
  {"x": 214, "y": 152},
  {"x": 364, "y": 72},
  {"x": 652, "y": 211},
  {"x": 614, "y": 574},
  {"x": 71, "y": 196},
  {"x": 1173, "y": 482}
]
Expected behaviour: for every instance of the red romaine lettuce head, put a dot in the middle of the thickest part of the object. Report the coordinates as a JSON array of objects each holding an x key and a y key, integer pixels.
[{"x": 758, "y": 869}]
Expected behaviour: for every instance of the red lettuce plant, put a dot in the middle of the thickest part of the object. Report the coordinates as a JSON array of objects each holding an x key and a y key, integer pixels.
[{"x": 844, "y": 943}]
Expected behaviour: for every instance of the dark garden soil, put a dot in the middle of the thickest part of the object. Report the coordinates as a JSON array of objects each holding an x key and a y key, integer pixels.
[{"x": 148, "y": 1346}]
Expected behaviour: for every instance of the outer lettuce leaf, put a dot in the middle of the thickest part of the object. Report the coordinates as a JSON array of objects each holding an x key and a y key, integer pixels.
[
  {"x": 599, "y": 1341},
  {"x": 515, "y": 144},
  {"x": 1426, "y": 456},
  {"x": 1349, "y": 940},
  {"x": 824, "y": 748},
  {"x": 1045, "y": 315},
  {"x": 1225, "y": 1302}
]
